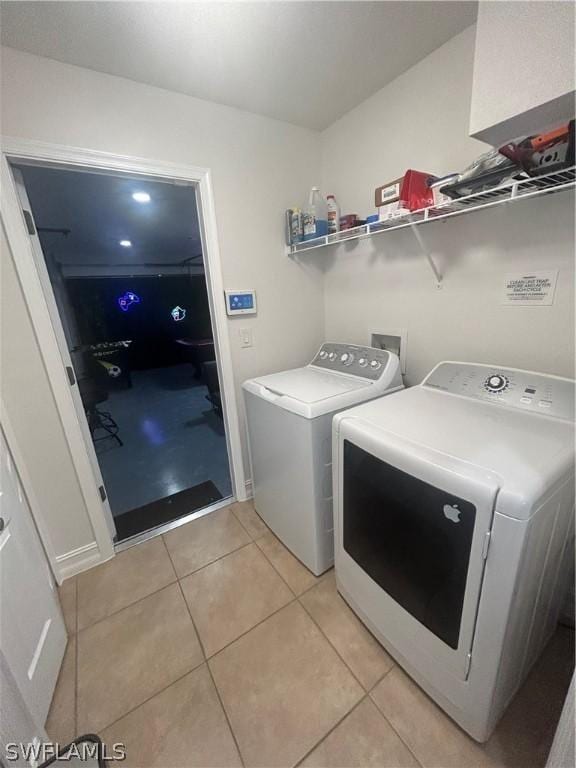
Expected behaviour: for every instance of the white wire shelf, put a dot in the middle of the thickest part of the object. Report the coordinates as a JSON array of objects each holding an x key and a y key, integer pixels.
[{"x": 517, "y": 190}]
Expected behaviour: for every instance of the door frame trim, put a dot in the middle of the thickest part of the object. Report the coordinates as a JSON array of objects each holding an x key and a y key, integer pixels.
[{"x": 16, "y": 149}]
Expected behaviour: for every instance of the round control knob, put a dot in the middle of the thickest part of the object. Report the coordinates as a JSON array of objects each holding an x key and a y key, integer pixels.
[
  {"x": 496, "y": 383},
  {"x": 323, "y": 355},
  {"x": 347, "y": 358},
  {"x": 332, "y": 356},
  {"x": 363, "y": 362},
  {"x": 375, "y": 364}
]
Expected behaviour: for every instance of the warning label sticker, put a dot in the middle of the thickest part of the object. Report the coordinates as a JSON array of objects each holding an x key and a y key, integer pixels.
[{"x": 534, "y": 288}]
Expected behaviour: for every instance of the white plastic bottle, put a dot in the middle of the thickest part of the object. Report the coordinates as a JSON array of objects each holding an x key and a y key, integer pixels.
[
  {"x": 315, "y": 222},
  {"x": 333, "y": 214}
]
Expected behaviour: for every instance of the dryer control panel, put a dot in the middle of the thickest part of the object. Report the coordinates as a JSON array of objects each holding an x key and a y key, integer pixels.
[
  {"x": 367, "y": 362},
  {"x": 535, "y": 392}
]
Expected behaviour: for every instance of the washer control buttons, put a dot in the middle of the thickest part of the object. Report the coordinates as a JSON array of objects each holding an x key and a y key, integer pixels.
[
  {"x": 332, "y": 356},
  {"x": 347, "y": 358},
  {"x": 323, "y": 355},
  {"x": 375, "y": 364},
  {"x": 496, "y": 383},
  {"x": 362, "y": 362}
]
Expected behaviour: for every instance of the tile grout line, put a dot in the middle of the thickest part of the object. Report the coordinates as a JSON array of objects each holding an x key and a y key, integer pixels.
[
  {"x": 173, "y": 682},
  {"x": 295, "y": 599},
  {"x": 234, "y": 739},
  {"x": 389, "y": 721},
  {"x": 276, "y": 570},
  {"x": 383, "y": 676},
  {"x": 128, "y": 605},
  {"x": 366, "y": 692},
  {"x": 208, "y": 665},
  {"x": 270, "y": 531},
  {"x": 365, "y": 697},
  {"x": 297, "y": 596},
  {"x": 155, "y": 592},
  {"x": 178, "y": 578},
  {"x": 224, "y": 647},
  {"x": 254, "y": 539},
  {"x": 331, "y": 730},
  {"x": 331, "y": 644},
  {"x": 211, "y": 562},
  {"x": 142, "y": 703},
  {"x": 161, "y": 690}
]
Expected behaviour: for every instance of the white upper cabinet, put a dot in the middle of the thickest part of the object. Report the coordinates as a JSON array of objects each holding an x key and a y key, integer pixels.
[{"x": 523, "y": 69}]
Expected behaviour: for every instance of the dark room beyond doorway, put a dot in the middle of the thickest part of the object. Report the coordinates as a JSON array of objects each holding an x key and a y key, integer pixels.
[{"x": 125, "y": 263}]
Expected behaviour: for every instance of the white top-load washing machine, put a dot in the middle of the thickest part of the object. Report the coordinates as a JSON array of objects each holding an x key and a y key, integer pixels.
[
  {"x": 289, "y": 417},
  {"x": 454, "y": 526}
]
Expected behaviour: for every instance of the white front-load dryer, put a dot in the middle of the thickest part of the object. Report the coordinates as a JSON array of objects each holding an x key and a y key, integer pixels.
[
  {"x": 289, "y": 419},
  {"x": 454, "y": 527}
]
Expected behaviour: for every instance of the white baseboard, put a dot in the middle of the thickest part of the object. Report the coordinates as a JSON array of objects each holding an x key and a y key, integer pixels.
[
  {"x": 77, "y": 560},
  {"x": 248, "y": 486}
]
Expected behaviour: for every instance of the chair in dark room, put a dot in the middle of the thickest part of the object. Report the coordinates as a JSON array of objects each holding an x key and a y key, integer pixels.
[
  {"x": 93, "y": 387},
  {"x": 197, "y": 352},
  {"x": 210, "y": 376}
]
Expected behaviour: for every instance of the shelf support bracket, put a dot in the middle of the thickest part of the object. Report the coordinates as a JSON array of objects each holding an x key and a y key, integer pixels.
[{"x": 426, "y": 252}]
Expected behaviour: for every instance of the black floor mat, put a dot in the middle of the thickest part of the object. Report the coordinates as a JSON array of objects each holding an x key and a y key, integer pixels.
[{"x": 165, "y": 510}]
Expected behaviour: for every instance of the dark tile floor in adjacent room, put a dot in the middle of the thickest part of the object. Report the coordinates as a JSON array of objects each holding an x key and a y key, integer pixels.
[
  {"x": 172, "y": 439},
  {"x": 213, "y": 646}
]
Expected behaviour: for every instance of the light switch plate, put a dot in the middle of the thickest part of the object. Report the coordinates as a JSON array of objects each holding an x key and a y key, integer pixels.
[{"x": 246, "y": 339}]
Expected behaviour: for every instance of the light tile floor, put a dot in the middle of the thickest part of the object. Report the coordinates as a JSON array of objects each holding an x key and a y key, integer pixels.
[{"x": 213, "y": 646}]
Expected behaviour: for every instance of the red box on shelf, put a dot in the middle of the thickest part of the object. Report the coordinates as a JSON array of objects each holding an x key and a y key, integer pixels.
[{"x": 415, "y": 192}]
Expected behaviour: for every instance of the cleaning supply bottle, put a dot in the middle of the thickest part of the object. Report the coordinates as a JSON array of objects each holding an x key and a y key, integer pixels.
[
  {"x": 333, "y": 214},
  {"x": 296, "y": 226},
  {"x": 315, "y": 221}
]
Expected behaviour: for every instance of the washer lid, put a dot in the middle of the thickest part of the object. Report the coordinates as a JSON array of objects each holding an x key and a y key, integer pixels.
[{"x": 309, "y": 385}]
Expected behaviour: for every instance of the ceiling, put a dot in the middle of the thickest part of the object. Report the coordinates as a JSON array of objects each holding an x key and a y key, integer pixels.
[
  {"x": 99, "y": 211},
  {"x": 307, "y": 63}
]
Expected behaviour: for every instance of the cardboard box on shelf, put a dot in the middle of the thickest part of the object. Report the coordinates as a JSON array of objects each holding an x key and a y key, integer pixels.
[
  {"x": 392, "y": 211},
  {"x": 388, "y": 193}
]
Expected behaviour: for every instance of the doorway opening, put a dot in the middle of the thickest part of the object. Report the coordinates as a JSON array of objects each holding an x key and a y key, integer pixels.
[{"x": 124, "y": 259}]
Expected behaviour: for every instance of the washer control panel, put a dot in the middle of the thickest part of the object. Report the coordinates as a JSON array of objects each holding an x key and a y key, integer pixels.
[
  {"x": 533, "y": 392},
  {"x": 367, "y": 362}
]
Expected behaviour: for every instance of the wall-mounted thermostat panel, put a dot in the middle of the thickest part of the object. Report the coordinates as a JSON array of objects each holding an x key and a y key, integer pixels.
[{"x": 240, "y": 302}]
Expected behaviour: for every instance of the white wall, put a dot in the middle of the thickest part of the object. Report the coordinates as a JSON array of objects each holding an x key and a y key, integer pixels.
[
  {"x": 421, "y": 121},
  {"x": 259, "y": 167}
]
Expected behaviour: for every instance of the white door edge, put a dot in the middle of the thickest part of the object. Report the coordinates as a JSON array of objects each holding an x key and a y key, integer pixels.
[
  {"x": 57, "y": 327},
  {"x": 33, "y": 502}
]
